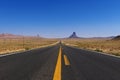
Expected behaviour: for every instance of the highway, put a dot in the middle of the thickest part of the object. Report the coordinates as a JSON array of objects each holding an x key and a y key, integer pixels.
[{"x": 59, "y": 62}]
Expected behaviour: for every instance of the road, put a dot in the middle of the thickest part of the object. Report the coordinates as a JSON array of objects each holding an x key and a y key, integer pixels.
[{"x": 59, "y": 62}]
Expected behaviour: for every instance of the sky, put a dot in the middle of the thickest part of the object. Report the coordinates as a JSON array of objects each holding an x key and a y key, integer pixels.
[{"x": 59, "y": 18}]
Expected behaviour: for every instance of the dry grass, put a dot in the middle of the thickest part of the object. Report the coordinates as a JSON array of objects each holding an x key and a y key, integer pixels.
[
  {"x": 100, "y": 45},
  {"x": 11, "y": 45}
]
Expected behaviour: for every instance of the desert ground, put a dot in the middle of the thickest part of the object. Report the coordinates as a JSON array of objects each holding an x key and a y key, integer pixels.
[
  {"x": 101, "y": 45},
  {"x": 108, "y": 46},
  {"x": 8, "y": 45}
]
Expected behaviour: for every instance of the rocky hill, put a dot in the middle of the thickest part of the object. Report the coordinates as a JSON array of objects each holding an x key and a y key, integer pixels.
[
  {"x": 73, "y": 35},
  {"x": 117, "y": 37}
]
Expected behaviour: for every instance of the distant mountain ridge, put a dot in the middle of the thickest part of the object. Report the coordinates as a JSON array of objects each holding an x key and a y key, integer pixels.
[
  {"x": 7, "y": 35},
  {"x": 111, "y": 37},
  {"x": 73, "y": 36}
]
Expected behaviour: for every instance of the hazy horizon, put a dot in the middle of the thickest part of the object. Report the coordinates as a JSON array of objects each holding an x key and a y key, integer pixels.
[{"x": 59, "y": 18}]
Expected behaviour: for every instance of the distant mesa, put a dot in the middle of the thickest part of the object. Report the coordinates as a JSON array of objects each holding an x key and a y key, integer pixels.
[
  {"x": 7, "y": 35},
  {"x": 73, "y": 35},
  {"x": 117, "y": 37}
]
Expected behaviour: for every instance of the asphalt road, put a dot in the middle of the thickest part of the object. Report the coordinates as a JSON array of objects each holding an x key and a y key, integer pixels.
[
  {"x": 76, "y": 64},
  {"x": 88, "y": 65},
  {"x": 37, "y": 64}
]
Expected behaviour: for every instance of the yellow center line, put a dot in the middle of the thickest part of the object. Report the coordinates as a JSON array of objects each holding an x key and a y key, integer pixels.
[
  {"x": 67, "y": 62},
  {"x": 57, "y": 73}
]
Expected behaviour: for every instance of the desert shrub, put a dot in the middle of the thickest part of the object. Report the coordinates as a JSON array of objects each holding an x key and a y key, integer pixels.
[
  {"x": 84, "y": 47},
  {"x": 111, "y": 49},
  {"x": 116, "y": 54},
  {"x": 98, "y": 50},
  {"x": 27, "y": 48}
]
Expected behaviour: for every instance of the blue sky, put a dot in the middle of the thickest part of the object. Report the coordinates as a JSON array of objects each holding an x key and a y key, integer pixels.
[{"x": 59, "y": 18}]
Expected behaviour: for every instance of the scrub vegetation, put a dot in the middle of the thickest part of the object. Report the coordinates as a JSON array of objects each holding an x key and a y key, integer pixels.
[
  {"x": 100, "y": 45},
  {"x": 8, "y": 45}
]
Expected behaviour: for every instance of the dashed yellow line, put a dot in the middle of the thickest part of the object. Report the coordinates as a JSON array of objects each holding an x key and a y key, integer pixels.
[
  {"x": 67, "y": 62},
  {"x": 57, "y": 73}
]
